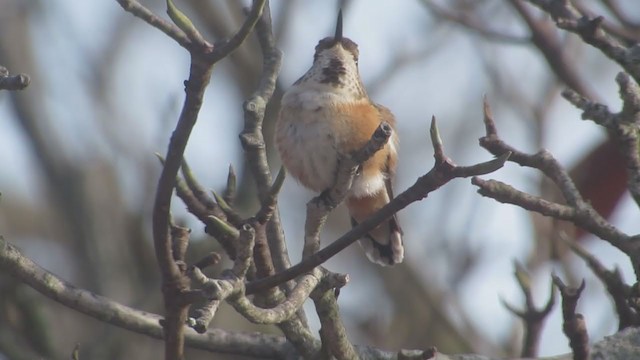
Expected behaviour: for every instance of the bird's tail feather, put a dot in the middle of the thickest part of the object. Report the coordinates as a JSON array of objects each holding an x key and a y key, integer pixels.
[{"x": 382, "y": 245}]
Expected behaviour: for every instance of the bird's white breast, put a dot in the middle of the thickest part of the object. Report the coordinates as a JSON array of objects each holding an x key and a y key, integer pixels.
[
  {"x": 309, "y": 133},
  {"x": 306, "y": 137}
]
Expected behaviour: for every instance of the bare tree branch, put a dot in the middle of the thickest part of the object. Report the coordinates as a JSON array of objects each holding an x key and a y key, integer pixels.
[
  {"x": 203, "y": 57},
  {"x": 532, "y": 317},
  {"x": 622, "y": 126},
  {"x": 612, "y": 279},
  {"x": 577, "y": 211},
  {"x": 109, "y": 311},
  {"x": 443, "y": 171},
  {"x": 319, "y": 207}
]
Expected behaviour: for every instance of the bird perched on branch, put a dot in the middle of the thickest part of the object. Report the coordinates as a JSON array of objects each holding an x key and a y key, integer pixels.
[{"x": 327, "y": 114}]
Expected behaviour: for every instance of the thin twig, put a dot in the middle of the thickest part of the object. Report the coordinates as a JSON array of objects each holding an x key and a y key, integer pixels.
[
  {"x": 173, "y": 31},
  {"x": 230, "y": 213},
  {"x": 268, "y": 206},
  {"x": 229, "y": 194},
  {"x": 194, "y": 185},
  {"x": 185, "y": 24},
  {"x": 620, "y": 292}
]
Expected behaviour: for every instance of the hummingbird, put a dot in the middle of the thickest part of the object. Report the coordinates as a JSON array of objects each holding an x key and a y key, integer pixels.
[{"x": 327, "y": 114}]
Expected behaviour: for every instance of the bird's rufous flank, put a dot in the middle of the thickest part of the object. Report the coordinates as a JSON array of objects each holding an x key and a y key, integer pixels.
[{"x": 327, "y": 114}]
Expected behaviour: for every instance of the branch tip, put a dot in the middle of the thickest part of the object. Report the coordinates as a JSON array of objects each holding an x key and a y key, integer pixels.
[
  {"x": 436, "y": 140},
  {"x": 489, "y": 123},
  {"x": 522, "y": 276},
  {"x": 481, "y": 168},
  {"x": 230, "y": 190},
  {"x": 277, "y": 183},
  {"x": 185, "y": 24},
  {"x": 222, "y": 226},
  {"x": 232, "y": 216},
  {"x": 160, "y": 158}
]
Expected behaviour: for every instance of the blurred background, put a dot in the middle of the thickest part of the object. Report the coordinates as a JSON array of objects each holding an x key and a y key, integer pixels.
[{"x": 79, "y": 172}]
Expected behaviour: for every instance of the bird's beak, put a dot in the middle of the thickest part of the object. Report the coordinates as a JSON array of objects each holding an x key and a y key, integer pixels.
[{"x": 338, "y": 36}]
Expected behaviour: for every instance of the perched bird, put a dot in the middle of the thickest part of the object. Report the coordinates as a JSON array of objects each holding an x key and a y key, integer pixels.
[{"x": 326, "y": 114}]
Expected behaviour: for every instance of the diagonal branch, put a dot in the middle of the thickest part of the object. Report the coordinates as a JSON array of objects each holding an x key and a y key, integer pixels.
[
  {"x": 319, "y": 207},
  {"x": 443, "y": 171}
]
